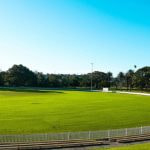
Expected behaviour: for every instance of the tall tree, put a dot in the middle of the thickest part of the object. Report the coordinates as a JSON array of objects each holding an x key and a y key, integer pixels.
[
  {"x": 121, "y": 79},
  {"x": 109, "y": 79},
  {"x": 20, "y": 75},
  {"x": 142, "y": 78},
  {"x": 42, "y": 80},
  {"x": 2, "y": 82},
  {"x": 129, "y": 79},
  {"x": 99, "y": 79}
]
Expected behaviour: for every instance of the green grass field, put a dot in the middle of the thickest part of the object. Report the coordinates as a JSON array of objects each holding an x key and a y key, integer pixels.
[
  {"x": 61, "y": 111},
  {"x": 132, "y": 147}
]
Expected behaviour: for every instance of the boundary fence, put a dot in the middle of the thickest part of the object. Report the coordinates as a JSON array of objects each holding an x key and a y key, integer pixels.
[{"x": 74, "y": 135}]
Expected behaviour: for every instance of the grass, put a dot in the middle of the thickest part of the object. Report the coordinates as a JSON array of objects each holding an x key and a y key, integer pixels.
[
  {"x": 35, "y": 111},
  {"x": 132, "y": 147}
]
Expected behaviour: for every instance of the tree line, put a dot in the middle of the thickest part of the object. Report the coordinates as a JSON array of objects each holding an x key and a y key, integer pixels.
[{"x": 21, "y": 76}]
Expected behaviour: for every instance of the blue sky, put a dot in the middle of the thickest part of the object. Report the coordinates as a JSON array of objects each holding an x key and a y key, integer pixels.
[{"x": 65, "y": 36}]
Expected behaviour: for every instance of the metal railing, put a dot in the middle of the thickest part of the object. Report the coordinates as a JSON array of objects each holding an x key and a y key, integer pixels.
[{"x": 74, "y": 135}]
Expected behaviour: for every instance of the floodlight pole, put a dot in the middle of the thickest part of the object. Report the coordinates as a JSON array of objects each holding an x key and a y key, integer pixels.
[{"x": 91, "y": 76}]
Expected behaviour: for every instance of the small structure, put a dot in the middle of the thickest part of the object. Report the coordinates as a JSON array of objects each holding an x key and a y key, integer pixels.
[{"x": 105, "y": 89}]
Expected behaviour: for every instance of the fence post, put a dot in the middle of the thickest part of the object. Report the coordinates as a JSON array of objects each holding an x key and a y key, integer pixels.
[
  {"x": 68, "y": 135},
  {"x": 108, "y": 134},
  {"x": 126, "y": 131},
  {"x": 141, "y": 130},
  {"x": 89, "y": 135}
]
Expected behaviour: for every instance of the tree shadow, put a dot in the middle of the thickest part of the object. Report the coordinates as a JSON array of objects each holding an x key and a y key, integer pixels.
[
  {"x": 43, "y": 90},
  {"x": 32, "y": 90},
  {"x": 80, "y": 89}
]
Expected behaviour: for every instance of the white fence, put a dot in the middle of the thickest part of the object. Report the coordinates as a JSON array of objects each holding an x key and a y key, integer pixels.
[{"x": 74, "y": 135}]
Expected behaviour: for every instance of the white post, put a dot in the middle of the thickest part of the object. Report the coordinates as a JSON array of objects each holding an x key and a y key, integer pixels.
[
  {"x": 141, "y": 130},
  {"x": 126, "y": 132},
  {"x": 68, "y": 136},
  {"x": 108, "y": 134},
  {"x": 89, "y": 135}
]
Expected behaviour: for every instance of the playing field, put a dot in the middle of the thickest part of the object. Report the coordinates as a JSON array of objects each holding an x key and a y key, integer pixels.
[
  {"x": 61, "y": 111},
  {"x": 132, "y": 147}
]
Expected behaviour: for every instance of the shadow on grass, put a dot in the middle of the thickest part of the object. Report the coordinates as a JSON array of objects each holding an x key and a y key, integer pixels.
[
  {"x": 82, "y": 89},
  {"x": 32, "y": 90},
  {"x": 43, "y": 90}
]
